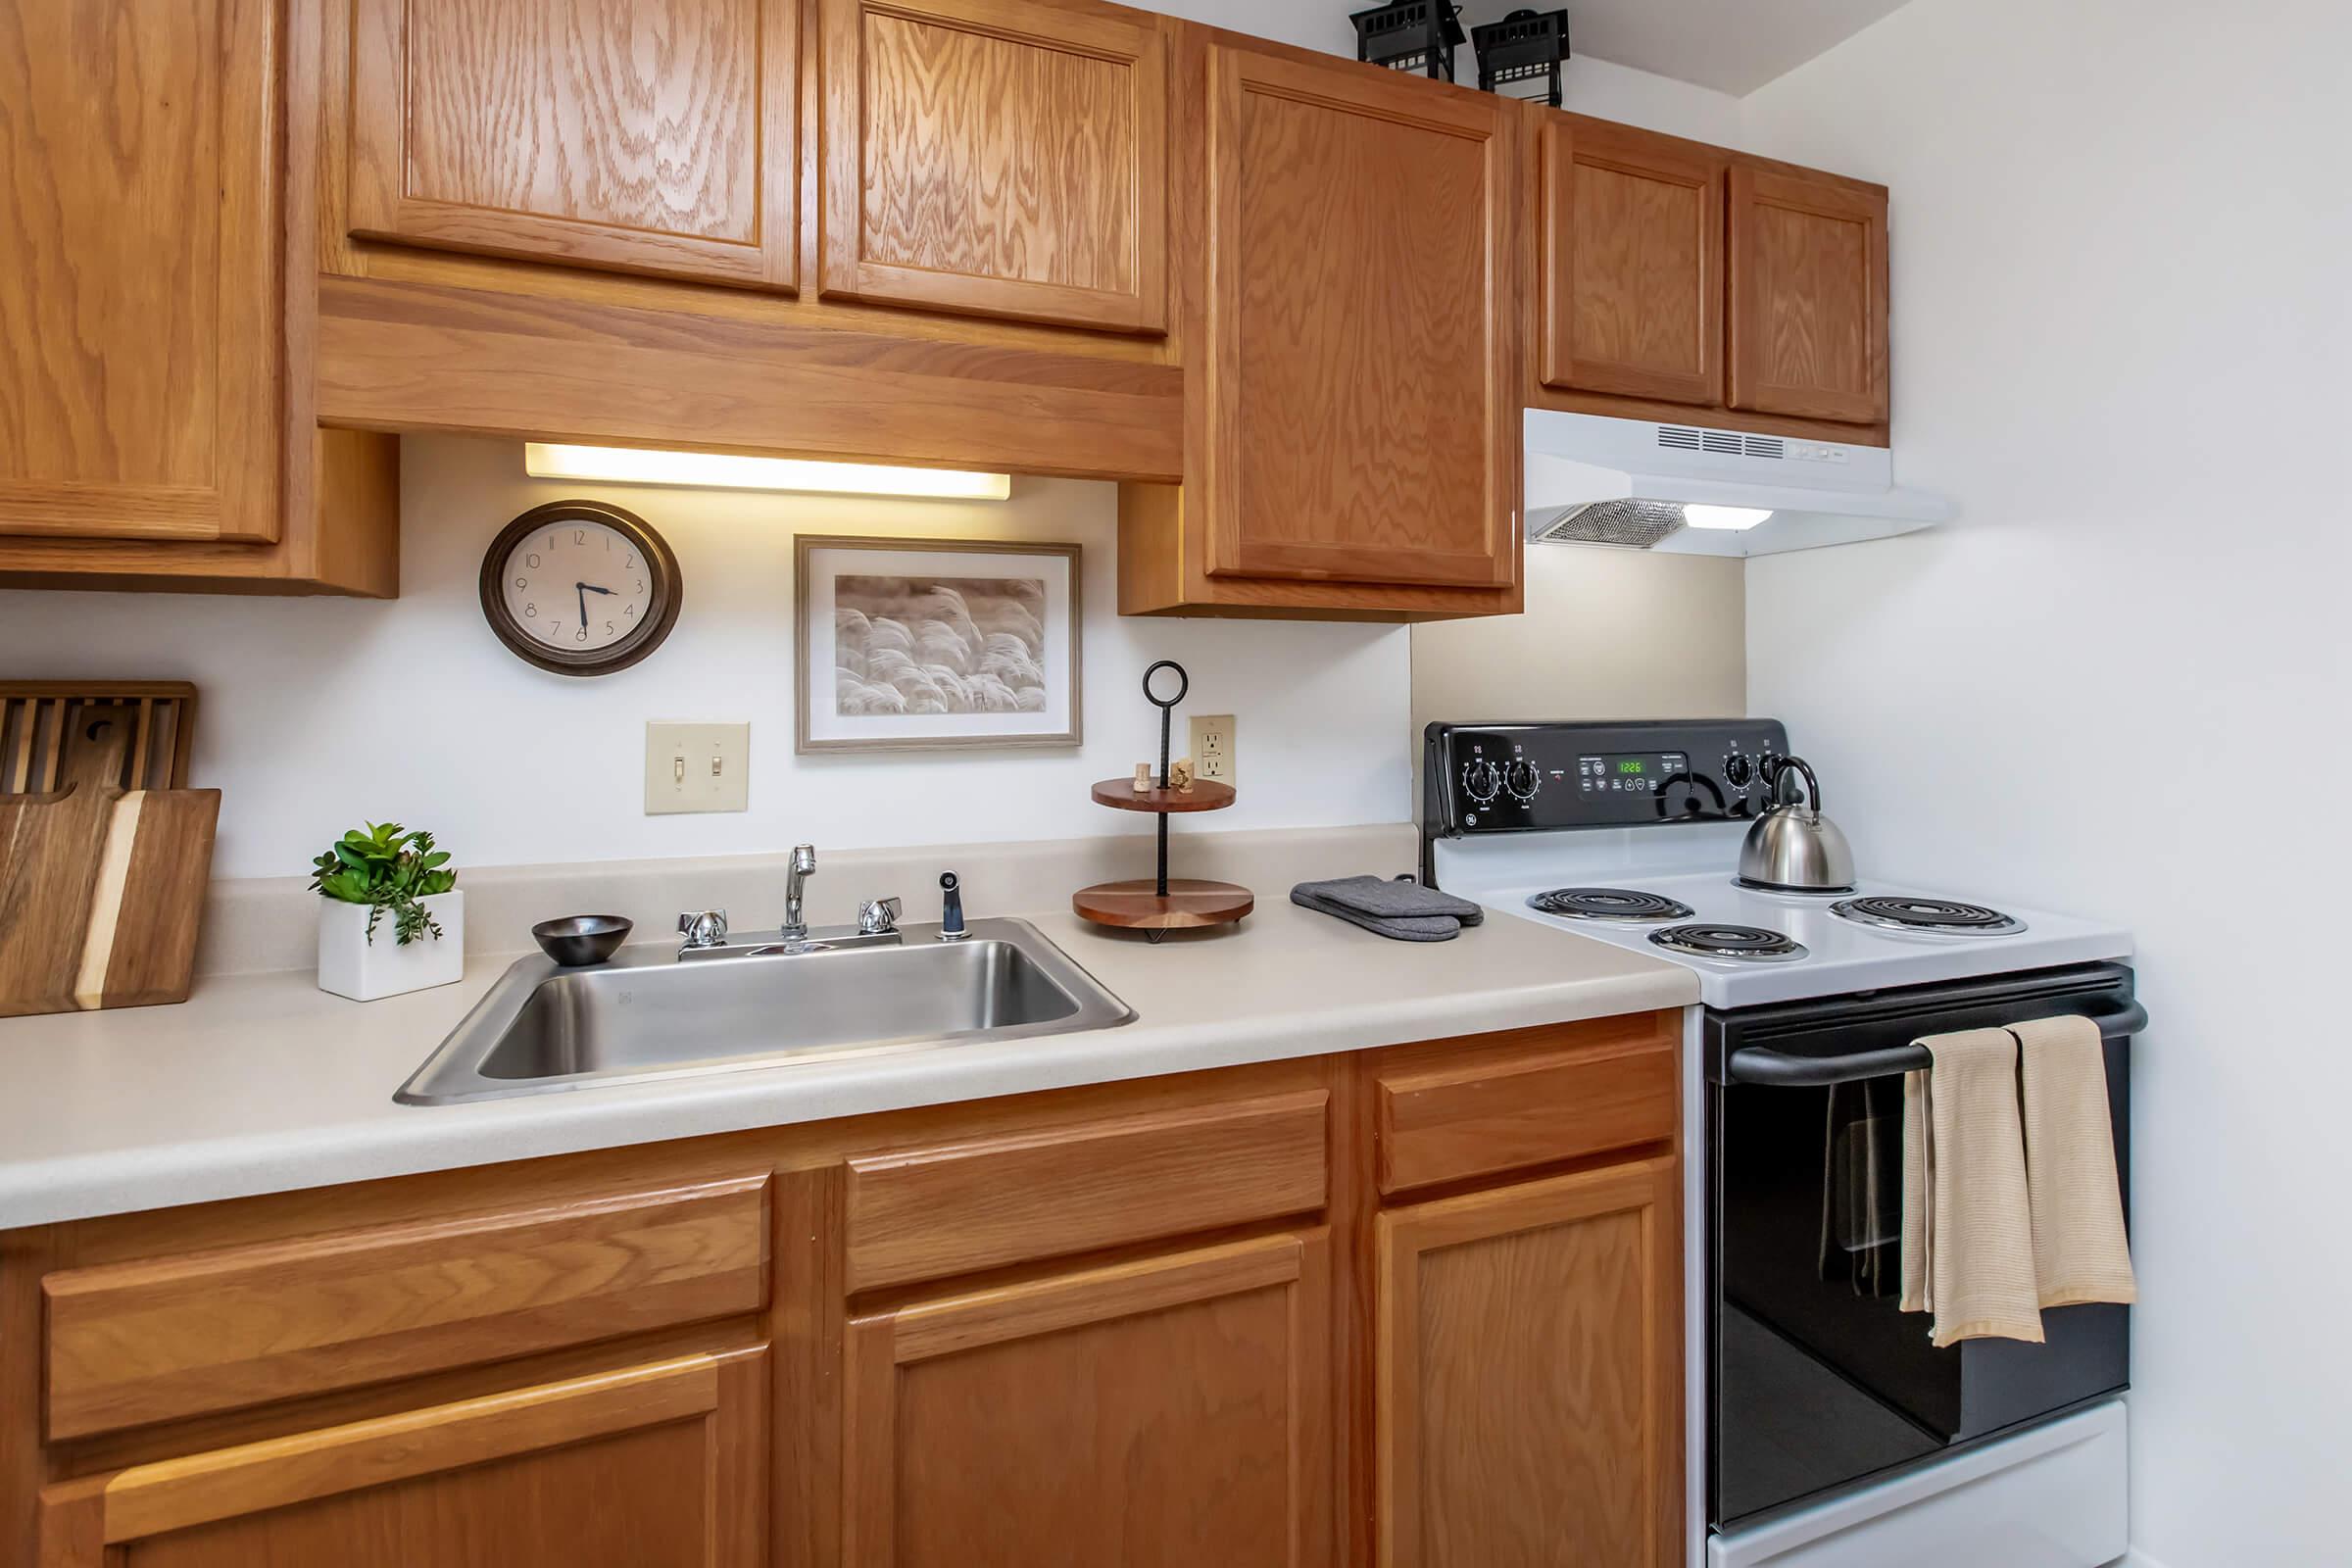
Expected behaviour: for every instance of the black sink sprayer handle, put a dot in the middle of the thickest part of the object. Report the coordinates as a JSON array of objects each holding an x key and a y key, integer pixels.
[{"x": 951, "y": 907}]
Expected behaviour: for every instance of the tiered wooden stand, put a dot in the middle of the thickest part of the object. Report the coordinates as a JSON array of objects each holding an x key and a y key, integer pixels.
[{"x": 1158, "y": 904}]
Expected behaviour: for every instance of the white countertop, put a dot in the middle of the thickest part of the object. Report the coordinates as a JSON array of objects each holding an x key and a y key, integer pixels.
[{"x": 263, "y": 1083}]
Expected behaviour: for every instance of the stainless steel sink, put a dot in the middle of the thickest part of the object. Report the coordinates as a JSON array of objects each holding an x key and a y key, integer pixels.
[{"x": 644, "y": 1014}]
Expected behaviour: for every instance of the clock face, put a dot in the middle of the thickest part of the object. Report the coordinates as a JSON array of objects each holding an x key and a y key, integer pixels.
[{"x": 579, "y": 587}]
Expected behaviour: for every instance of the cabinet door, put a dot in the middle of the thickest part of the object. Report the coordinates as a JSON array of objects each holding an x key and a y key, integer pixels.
[
  {"x": 1173, "y": 1411},
  {"x": 661, "y": 1466},
  {"x": 1633, "y": 264},
  {"x": 141, "y": 321},
  {"x": 997, "y": 158},
  {"x": 1809, "y": 296},
  {"x": 1364, "y": 404},
  {"x": 635, "y": 135},
  {"x": 1529, "y": 1384}
]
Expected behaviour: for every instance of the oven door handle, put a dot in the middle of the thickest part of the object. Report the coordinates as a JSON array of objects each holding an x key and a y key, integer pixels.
[{"x": 1761, "y": 1065}]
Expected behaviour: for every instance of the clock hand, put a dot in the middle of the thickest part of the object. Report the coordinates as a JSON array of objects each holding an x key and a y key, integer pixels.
[
  {"x": 583, "y": 588},
  {"x": 594, "y": 589}
]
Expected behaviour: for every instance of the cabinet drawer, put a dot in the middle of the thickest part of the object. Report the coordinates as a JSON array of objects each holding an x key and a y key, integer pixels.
[
  {"x": 157, "y": 1339},
  {"x": 1446, "y": 1118},
  {"x": 926, "y": 1213}
]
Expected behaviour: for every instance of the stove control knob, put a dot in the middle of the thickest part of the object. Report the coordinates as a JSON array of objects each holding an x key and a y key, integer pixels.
[
  {"x": 1737, "y": 771},
  {"x": 1482, "y": 779},
  {"x": 1521, "y": 779}
]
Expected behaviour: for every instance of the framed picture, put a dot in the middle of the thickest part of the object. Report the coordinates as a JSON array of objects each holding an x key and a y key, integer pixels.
[{"x": 931, "y": 644}]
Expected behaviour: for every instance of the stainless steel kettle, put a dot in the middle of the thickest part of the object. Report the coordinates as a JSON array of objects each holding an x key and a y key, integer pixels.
[{"x": 1792, "y": 847}]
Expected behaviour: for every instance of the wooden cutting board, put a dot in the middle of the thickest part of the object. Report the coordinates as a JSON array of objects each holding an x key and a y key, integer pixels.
[{"x": 100, "y": 889}]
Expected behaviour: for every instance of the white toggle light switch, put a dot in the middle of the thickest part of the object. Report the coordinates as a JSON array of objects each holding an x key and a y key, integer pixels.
[{"x": 697, "y": 768}]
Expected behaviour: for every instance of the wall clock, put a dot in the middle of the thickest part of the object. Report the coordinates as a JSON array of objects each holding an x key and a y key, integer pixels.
[{"x": 581, "y": 587}]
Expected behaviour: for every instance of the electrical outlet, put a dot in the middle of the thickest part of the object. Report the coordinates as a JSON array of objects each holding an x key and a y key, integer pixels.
[
  {"x": 1212, "y": 746},
  {"x": 697, "y": 768}
]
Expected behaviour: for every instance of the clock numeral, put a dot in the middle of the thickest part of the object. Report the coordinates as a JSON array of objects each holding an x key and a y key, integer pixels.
[
  {"x": 530, "y": 611},
  {"x": 608, "y": 628},
  {"x": 628, "y": 560},
  {"x": 532, "y": 561},
  {"x": 581, "y": 635},
  {"x": 522, "y": 582},
  {"x": 554, "y": 628},
  {"x": 579, "y": 536},
  {"x": 628, "y": 609},
  {"x": 641, "y": 585}
]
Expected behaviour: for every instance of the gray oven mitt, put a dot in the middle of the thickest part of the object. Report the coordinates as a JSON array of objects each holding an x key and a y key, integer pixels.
[{"x": 1402, "y": 910}]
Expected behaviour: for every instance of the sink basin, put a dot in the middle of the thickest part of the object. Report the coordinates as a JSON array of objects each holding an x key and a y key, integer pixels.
[{"x": 644, "y": 1014}]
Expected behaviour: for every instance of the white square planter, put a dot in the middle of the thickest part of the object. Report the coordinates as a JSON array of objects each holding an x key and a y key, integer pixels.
[{"x": 350, "y": 965}]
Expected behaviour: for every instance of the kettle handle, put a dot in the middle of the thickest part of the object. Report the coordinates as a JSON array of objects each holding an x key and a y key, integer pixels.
[{"x": 1812, "y": 784}]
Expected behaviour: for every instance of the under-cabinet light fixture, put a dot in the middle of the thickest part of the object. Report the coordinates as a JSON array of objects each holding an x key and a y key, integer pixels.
[
  {"x": 547, "y": 459},
  {"x": 1705, "y": 517}
]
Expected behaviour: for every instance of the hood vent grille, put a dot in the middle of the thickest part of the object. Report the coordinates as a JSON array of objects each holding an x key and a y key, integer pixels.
[
  {"x": 1722, "y": 442},
  {"x": 1627, "y": 524}
]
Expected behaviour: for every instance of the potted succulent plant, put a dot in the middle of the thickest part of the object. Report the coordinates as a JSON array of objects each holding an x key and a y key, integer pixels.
[{"x": 372, "y": 871}]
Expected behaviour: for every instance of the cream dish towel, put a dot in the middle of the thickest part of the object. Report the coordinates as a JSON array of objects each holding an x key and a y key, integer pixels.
[
  {"x": 1968, "y": 1227},
  {"x": 2080, "y": 1252}
]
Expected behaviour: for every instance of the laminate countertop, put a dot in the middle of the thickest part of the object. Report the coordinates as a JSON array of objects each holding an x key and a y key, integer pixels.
[{"x": 264, "y": 1083}]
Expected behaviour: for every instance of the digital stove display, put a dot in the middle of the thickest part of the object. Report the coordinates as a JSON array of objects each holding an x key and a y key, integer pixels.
[{"x": 1616, "y": 772}]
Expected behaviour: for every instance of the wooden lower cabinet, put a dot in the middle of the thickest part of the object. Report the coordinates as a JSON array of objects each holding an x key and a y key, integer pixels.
[
  {"x": 1420, "y": 1302},
  {"x": 1528, "y": 1388},
  {"x": 656, "y": 1466},
  {"x": 1170, "y": 1411}
]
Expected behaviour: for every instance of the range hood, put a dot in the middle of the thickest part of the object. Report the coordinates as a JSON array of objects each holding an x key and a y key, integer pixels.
[{"x": 1690, "y": 489}]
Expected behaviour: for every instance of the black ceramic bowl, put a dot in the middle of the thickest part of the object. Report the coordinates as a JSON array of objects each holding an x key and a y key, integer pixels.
[{"x": 579, "y": 940}]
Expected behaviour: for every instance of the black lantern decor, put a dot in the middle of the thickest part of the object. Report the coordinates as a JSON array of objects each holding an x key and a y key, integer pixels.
[
  {"x": 1418, "y": 35},
  {"x": 1523, "y": 53}
]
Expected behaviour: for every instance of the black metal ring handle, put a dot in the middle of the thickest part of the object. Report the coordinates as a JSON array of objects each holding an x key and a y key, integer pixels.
[
  {"x": 1761, "y": 1065},
  {"x": 1185, "y": 683}
]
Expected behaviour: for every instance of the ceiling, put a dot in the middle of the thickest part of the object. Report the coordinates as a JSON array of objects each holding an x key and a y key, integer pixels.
[{"x": 1733, "y": 46}]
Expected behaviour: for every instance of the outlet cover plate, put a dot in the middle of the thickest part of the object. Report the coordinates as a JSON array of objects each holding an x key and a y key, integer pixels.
[
  {"x": 1214, "y": 747},
  {"x": 697, "y": 768}
]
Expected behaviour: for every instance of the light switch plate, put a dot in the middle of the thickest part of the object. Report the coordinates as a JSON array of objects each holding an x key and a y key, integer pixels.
[
  {"x": 1212, "y": 746},
  {"x": 697, "y": 768}
]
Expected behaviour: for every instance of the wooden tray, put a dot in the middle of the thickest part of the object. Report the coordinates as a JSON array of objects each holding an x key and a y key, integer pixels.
[
  {"x": 1203, "y": 796},
  {"x": 1137, "y": 905},
  {"x": 156, "y": 717}
]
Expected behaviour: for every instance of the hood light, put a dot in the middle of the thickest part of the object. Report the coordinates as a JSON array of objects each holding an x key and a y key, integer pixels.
[
  {"x": 1703, "y": 517},
  {"x": 543, "y": 460}
]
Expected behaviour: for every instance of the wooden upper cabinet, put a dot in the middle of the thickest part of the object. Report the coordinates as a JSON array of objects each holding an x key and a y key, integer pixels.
[
  {"x": 1528, "y": 1387},
  {"x": 656, "y": 1466},
  {"x": 1809, "y": 296},
  {"x": 634, "y": 135},
  {"x": 1363, "y": 325},
  {"x": 1164, "y": 1412},
  {"x": 1001, "y": 158},
  {"x": 1633, "y": 262},
  {"x": 141, "y": 323}
]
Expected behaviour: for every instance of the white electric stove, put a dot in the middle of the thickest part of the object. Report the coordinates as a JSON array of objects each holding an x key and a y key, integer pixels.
[
  {"x": 1669, "y": 891},
  {"x": 1824, "y": 1430}
]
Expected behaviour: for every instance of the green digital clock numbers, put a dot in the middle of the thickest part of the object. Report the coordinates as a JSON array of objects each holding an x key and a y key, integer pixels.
[{"x": 1630, "y": 764}]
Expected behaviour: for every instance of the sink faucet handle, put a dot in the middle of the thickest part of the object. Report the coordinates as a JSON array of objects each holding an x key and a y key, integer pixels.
[
  {"x": 951, "y": 907},
  {"x": 703, "y": 928},
  {"x": 878, "y": 917}
]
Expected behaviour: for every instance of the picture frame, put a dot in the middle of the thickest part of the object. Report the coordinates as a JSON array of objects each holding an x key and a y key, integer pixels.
[{"x": 907, "y": 644}]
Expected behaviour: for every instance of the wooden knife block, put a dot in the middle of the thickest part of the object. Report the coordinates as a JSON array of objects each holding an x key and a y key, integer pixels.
[{"x": 101, "y": 891}]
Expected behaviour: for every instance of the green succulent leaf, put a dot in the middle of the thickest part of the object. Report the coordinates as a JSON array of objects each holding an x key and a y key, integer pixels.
[{"x": 385, "y": 866}]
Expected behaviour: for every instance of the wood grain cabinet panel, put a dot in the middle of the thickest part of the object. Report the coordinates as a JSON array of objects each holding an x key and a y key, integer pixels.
[
  {"x": 1809, "y": 296},
  {"x": 1163, "y": 1413},
  {"x": 1528, "y": 1393},
  {"x": 155, "y": 1339},
  {"x": 1363, "y": 327},
  {"x": 1002, "y": 158},
  {"x": 1632, "y": 264},
  {"x": 1459, "y": 1119},
  {"x": 926, "y": 1213},
  {"x": 657, "y": 1466},
  {"x": 635, "y": 135},
  {"x": 141, "y": 311}
]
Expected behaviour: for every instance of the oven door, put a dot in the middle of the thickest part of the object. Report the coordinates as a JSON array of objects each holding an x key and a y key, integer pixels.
[{"x": 1819, "y": 1382}]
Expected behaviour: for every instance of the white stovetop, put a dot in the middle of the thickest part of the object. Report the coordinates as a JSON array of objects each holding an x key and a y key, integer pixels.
[{"x": 1695, "y": 864}]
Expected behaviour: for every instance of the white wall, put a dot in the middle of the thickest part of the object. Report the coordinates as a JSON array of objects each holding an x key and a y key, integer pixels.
[
  {"x": 319, "y": 712},
  {"x": 2117, "y": 684}
]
